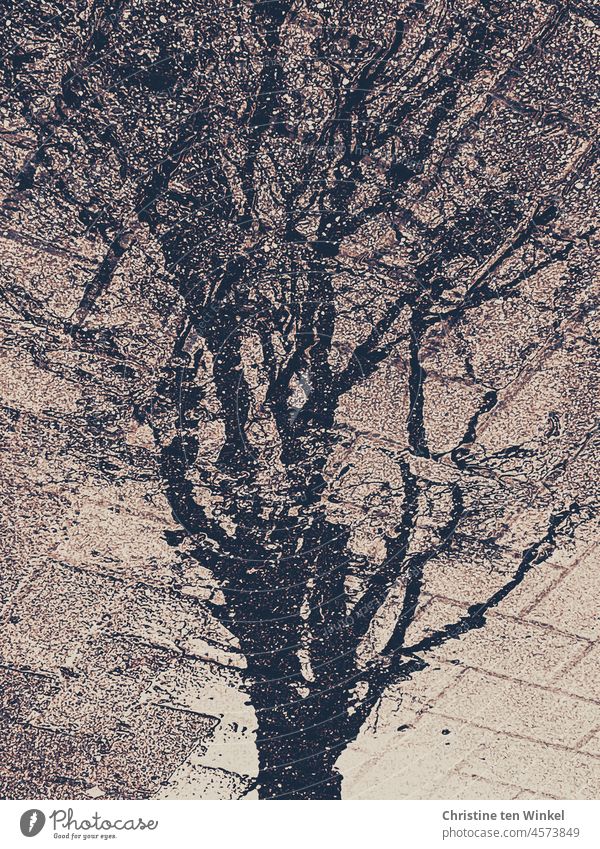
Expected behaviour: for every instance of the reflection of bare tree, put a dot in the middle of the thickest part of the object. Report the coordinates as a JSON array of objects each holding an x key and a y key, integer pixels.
[{"x": 298, "y": 177}]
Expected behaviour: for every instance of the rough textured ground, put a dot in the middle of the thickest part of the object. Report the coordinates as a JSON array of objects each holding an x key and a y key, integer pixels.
[{"x": 298, "y": 412}]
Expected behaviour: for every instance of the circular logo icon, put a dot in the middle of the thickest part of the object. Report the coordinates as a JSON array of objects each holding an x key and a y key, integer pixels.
[{"x": 32, "y": 822}]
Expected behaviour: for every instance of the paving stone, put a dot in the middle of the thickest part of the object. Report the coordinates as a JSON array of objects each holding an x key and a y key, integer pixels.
[
  {"x": 21, "y": 693},
  {"x": 583, "y": 677},
  {"x": 156, "y": 743},
  {"x": 573, "y": 601},
  {"x": 470, "y": 582},
  {"x": 592, "y": 746},
  {"x": 421, "y": 691},
  {"x": 416, "y": 766},
  {"x": 510, "y": 706},
  {"x": 55, "y": 763},
  {"x": 43, "y": 628},
  {"x": 106, "y": 680},
  {"x": 177, "y": 624},
  {"x": 505, "y": 645},
  {"x": 533, "y": 795},
  {"x": 193, "y": 780},
  {"x": 459, "y": 785},
  {"x": 543, "y": 768}
]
